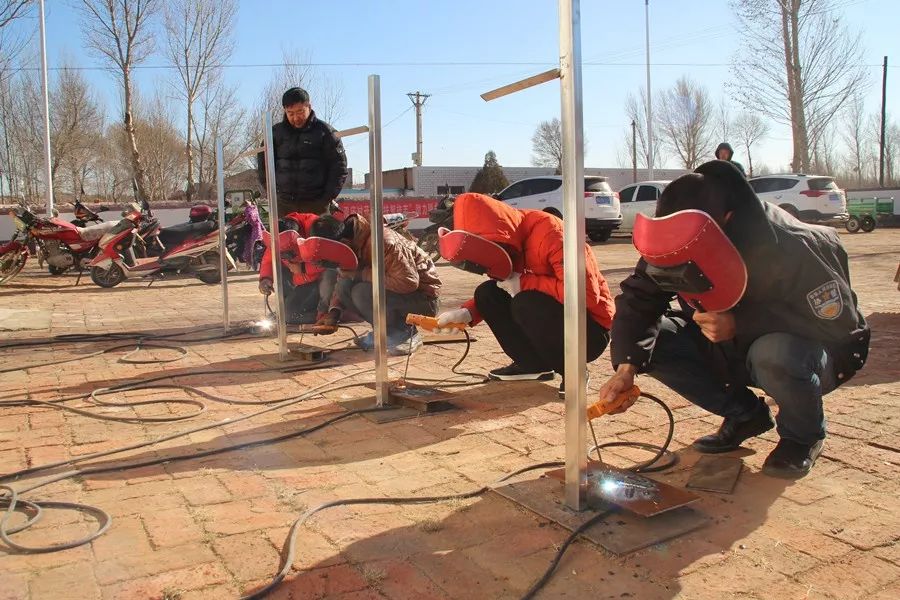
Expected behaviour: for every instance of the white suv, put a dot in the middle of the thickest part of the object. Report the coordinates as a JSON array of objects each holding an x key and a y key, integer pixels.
[
  {"x": 810, "y": 198},
  {"x": 601, "y": 204}
]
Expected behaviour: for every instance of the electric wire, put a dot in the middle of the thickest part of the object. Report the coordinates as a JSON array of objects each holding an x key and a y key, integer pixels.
[{"x": 13, "y": 504}]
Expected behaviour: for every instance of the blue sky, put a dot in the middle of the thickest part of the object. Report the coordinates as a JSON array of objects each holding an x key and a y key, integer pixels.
[{"x": 459, "y": 127}]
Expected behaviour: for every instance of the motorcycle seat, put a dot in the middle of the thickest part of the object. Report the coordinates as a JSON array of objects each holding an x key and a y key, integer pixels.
[
  {"x": 95, "y": 232},
  {"x": 172, "y": 236}
]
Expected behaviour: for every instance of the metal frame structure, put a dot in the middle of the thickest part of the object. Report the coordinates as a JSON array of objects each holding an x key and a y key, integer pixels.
[
  {"x": 569, "y": 74},
  {"x": 275, "y": 254},
  {"x": 48, "y": 169},
  {"x": 223, "y": 263},
  {"x": 376, "y": 213}
]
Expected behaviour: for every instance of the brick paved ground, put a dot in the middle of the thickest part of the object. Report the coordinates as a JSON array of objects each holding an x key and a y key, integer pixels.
[{"x": 212, "y": 528}]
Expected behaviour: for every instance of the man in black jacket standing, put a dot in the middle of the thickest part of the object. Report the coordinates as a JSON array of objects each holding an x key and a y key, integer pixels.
[
  {"x": 310, "y": 163},
  {"x": 796, "y": 331}
]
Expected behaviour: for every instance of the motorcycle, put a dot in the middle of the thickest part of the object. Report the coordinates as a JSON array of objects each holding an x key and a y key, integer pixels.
[
  {"x": 59, "y": 243},
  {"x": 440, "y": 216},
  {"x": 191, "y": 247}
]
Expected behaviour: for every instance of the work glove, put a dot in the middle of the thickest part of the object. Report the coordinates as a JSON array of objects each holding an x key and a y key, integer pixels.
[
  {"x": 266, "y": 287},
  {"x": 511, "y": 285},
  {"x": 459, "y": 315}
]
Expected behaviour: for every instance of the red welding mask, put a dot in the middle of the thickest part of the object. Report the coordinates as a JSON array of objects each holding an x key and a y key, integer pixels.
[
  {"x": 474, "y": 254},
  {"x": 688, "y": 253},
  {"x": 328, "y": 254},
  {"x": 288, "y": 242}
]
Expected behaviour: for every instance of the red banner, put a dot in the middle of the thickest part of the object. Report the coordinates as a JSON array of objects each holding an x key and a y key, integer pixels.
[{"x": 413, "y": 208}]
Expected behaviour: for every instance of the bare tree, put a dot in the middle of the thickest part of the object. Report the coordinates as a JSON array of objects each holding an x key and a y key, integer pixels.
[
  {"x": 546, "y": 144},
  {"x": 636, "y": 110},
  {"x": 75, "y": 121},
  {"x": 26, "y": 130},
  {"x": 798, "y": 66},
  {"x": 685, "y": 119},
  {"x": 750, "y": 128},
  {"x": 119, "y": 32},
  {"x": 223, "y": 119},
  {"x": 163, "y": 145},
  {"x": 326, "y": 93},
  {"x": 724, "y": 126},
  {"x": 199, "y": 41},
  {"x": 853, "y": 133}
]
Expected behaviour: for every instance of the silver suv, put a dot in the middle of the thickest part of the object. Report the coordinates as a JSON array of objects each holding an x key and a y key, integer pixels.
[
  {"x": 602, "y": 213},
  {"x": 810, "y": 198}
]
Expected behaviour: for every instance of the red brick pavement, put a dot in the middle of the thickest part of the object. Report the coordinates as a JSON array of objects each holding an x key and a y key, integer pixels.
[{"x": 212, "y": 528}]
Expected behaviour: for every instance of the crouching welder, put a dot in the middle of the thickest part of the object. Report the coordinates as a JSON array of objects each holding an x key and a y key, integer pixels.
[
  {"x": 522, "y": 252},
  {"x": 410, "y": 279},
  {"x": 309, "y": 289},
  {"x": 765, "y": 301}
]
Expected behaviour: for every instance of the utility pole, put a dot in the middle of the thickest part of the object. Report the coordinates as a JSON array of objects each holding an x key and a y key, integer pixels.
[
  {"x": 418, "y": 99},
  {"x": 633, "y": 151},
  {"x": 883, "y": 123},
  {"x": 649, "y": 95},
  {"x": 47, "y": 163}
]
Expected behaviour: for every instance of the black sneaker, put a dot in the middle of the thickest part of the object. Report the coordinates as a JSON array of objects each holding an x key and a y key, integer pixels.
[
  {"x": 792, "y": 460},
  {"x": 562, "y": 386},
  {"x": 732, "y": 432},
  {"x": 516, "y": 373}
]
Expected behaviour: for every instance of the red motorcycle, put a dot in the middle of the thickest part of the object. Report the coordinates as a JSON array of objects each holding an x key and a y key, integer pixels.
[
  {"x": 60, "y": 244},
  {"x": 191, "y": 247}
]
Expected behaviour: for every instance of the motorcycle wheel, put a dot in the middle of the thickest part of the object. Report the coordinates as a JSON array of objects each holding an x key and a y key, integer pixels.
[
  {"x": 429, "y": 244},
  {"x": 210, "y": 277},
  {"x": 108, "y": 278},
  {"x": 11, "y": 264}
]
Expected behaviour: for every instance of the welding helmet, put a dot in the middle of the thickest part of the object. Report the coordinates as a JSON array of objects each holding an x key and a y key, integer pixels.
[
  {"x": 474, "y": 254},
  {"x": 688, "y": 253},
  {"x": 288, "y": 242},
  {"x": 328, "y": 253}
]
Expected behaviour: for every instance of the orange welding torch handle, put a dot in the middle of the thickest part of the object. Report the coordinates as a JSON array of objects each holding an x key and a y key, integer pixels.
[
  {"x": 598, "y": 409},
  {"x": 431, "y": 323}
]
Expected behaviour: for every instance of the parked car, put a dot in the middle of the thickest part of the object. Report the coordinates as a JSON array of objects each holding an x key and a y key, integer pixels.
[
  {"x": 637, "y": 198},
  {"x": 601, "y": 203},
  {"x": 810, "y": 198}
]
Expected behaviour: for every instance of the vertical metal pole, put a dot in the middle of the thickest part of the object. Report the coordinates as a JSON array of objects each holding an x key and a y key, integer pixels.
[
  {"x": 48, "y": 169},
  {"x": 883, "y": 122},
  {"x": 573, "y": 248},
  {"x": 223, "y": 263},
  {"x": 379, "y": 316},
  {"x": 649, "y": 95},
  {"x": 271, "y": 192},
  {"x": 418, "y": 131}
]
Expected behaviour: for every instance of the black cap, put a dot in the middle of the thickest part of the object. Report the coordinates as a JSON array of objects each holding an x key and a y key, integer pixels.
[{"x": 295, "y": 95}]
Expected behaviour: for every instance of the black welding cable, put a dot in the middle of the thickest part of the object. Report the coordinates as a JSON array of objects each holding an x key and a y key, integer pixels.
[{"x": 12, "y": 504}]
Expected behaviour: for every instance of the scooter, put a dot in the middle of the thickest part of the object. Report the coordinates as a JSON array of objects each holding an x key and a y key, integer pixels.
[
  {"x": 59, "y": 243},
  {"x": 191, "y": 247}
]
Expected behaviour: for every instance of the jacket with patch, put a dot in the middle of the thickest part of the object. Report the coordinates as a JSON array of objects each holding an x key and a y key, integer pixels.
[
  {"x": 538, "y": 237},
  {"x": 798, "y": 283}
]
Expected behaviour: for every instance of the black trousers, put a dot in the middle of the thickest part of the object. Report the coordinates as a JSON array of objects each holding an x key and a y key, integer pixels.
[
  {"x": 529, "y": 327},
  {"x": 357, "y": 296},
  {"x": 303, "y": 304}
]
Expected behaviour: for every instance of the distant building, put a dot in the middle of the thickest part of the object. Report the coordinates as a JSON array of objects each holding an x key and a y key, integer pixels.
[{"x": 438, "y": 181}]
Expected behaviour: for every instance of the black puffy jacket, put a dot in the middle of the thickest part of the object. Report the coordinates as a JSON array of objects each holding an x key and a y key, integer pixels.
[{"x": 310, "y": 163}]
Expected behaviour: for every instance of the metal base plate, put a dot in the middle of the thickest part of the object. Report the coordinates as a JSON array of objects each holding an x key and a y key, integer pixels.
[
  {"x": 620, "y": 533},
  {"x": 715, "y": 474},
  {"x": 382, "y": 416},
  {"x": 635, "y": 493},
  {"x": 305, "y": 352},
  {"x": 420, "y": 397}
]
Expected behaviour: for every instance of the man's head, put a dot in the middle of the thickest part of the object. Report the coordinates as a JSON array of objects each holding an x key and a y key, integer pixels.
[
  {"x": 698, "y": 192},
  {"x": 296, "y": 106},
  {"x": 329, "y": 228},
  {"x": 724, "y": 151}
]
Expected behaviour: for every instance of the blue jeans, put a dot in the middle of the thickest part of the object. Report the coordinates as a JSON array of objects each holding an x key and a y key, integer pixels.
[{"x": 794, "y": 371}]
